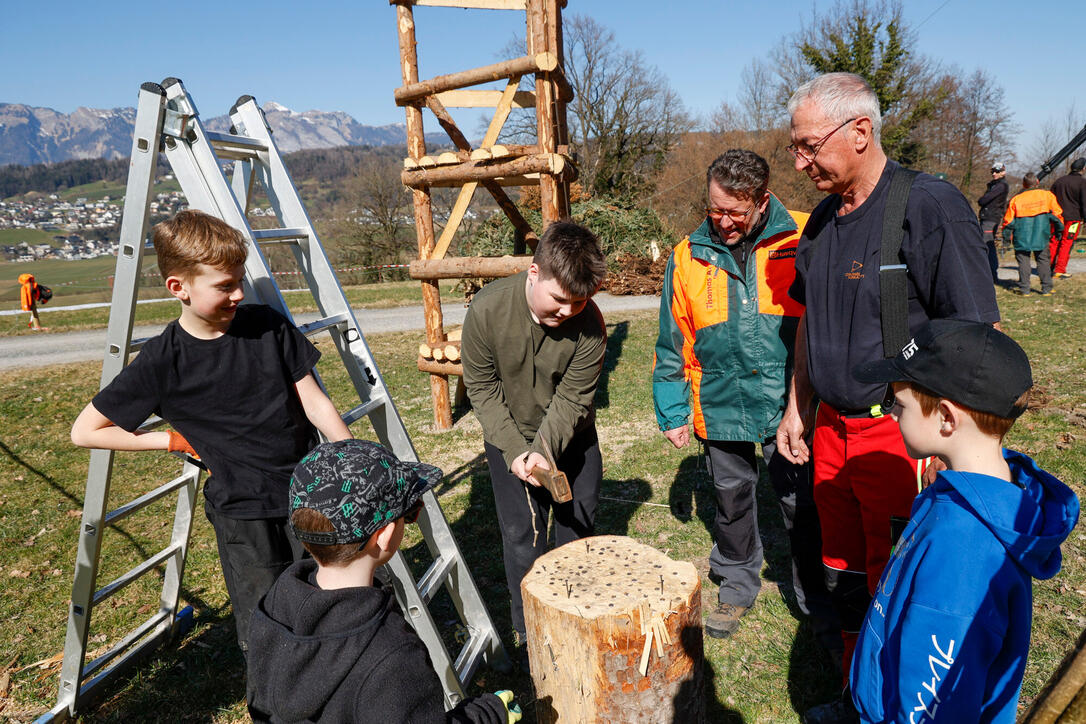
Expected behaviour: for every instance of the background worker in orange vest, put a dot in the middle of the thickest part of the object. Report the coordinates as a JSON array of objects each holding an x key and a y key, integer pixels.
[
  {"x": 1032, "y": 218},
  {"x": 28, "y": 295}
]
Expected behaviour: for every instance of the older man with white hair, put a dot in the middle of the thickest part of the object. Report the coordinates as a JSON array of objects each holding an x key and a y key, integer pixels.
[{"x": 864, "y": 480}]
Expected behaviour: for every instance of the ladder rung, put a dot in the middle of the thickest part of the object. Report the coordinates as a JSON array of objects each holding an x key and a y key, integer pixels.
[
  {"x": 124, "y": 579},
  {"x": 135, "y": 344},
  {"x": 135, "y": 635},
  {"x": 321, "y": 325},
  {"x": 151, "y": 423},
  {"x": 362, "y": 410},
  {"x": 146, "y": 499},
  {"x": 470, "y": 656},
  {"x": 269, "y": 236},
  {"x": 435, "y": 575},
  {"x": 228, "y": 145}
]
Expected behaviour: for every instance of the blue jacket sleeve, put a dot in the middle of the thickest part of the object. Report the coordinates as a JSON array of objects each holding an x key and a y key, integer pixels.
[{"x": 670, "y": 388}]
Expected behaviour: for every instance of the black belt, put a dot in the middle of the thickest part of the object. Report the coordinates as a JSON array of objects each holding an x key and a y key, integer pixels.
[{"x": 873, "y": 411}]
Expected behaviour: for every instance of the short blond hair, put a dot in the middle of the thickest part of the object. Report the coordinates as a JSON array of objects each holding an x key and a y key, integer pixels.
[{"x": 191, "y": 238}]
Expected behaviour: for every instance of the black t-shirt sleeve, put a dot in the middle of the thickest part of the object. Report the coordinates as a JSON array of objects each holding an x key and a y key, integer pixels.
[
  {"x": 946, "y": 255},
  {"x": 135, "y": 393},
  {"x": 299, "y": 354}
]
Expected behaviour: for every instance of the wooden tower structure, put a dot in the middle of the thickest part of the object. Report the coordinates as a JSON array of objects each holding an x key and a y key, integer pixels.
[{"x": 492, "y": 166}]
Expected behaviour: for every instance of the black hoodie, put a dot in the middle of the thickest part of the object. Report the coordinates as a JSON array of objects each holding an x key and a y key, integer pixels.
[{"x": 344, "y": 655}]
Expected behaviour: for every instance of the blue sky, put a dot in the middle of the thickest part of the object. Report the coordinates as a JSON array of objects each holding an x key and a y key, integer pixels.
[{"x": 342, "y": 54}]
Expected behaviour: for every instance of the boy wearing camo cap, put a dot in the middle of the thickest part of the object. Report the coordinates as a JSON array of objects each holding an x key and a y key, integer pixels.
[{"x": 326, "y": 643}]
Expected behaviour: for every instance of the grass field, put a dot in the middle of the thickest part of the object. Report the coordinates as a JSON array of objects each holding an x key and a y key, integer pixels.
[{"x": 770, "y": 670}]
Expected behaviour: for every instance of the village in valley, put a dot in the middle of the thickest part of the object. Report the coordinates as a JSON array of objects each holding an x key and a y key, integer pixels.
[{"x": 85, "y": 228}]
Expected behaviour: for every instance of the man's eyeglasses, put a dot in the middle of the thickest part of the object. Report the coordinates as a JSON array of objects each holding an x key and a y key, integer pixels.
[
  {"x": 807, "y": 155},
  {"x": 736, "y": 216},
  {"x": 412, "y": 514}
]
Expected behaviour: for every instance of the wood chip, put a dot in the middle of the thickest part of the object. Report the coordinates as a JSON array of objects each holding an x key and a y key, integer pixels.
[{"x": 644, "y": 667}]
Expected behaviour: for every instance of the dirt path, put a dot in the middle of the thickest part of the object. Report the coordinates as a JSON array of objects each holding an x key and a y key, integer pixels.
[{"x": 46, "y": 349}]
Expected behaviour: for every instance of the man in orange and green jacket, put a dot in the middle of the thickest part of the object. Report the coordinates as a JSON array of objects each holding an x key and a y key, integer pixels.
[
  {"x": 1032, "y": 217},
  {"x": 727, "y": 329}
]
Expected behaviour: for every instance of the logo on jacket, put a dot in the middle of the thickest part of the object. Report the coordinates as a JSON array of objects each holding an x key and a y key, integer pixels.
[
  {"x": 782, "y": 253},
  {"x": 856, "y": 272}
]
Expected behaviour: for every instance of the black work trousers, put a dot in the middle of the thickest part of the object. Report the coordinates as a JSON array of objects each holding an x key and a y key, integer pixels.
[
  {"x": 523, "y": 511},
  {"x": 253, "y": 553},
  {"x": 736, "y": 558}
]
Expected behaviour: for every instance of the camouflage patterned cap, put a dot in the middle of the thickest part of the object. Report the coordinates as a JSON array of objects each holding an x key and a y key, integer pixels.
[{"x": 359, "y": 486}]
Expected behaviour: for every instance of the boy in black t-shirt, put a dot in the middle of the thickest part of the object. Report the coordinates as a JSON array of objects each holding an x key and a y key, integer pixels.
[{"x": 234, "y": 381}]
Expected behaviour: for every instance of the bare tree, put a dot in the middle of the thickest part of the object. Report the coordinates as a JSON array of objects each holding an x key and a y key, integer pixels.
[
  {"x": 370, "y": 222},
  {"x": 758, "y": 97},
  {"x": 972, "y": 129},
  {"x": 624, "y": 118}
]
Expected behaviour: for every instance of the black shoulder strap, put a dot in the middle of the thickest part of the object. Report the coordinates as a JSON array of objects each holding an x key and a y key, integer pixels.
[{"x": 893, "y": 273}]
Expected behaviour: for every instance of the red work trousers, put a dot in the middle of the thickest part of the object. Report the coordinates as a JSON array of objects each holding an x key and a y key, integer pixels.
[
  {"x": 1059, "y": 247},
  {"x": 862, "y": 477}
]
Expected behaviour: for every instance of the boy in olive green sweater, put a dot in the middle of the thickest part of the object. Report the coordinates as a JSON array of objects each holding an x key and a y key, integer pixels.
[{"x": 532, "y": 350}]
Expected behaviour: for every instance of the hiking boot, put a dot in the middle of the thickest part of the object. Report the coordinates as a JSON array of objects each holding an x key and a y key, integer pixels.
[
  {"x": 1019, "y": 292},
  {"x": 1061, "y": 275},
  {"x": 839, "y": 711},
  {"x": 724, "y": 620},
  {"x": 1049, "y": 293}
]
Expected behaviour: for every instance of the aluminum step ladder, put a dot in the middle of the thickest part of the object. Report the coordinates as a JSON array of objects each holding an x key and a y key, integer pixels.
[{"x": 167, "y": 122}]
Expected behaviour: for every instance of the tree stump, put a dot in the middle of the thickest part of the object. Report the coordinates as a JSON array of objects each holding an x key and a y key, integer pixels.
[{"x": 614, "y": 634}]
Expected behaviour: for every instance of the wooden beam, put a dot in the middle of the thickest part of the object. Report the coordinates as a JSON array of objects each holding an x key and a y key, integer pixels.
[
  {"x": 441, "y": 368},
  {"x": 467, "y": 4},
  {"x": 424, "y": 217},
  {"x": 483, "y": 99},
  {"x": 467, "y": 267},
  {"x": 411, "y": 93},
  {"x": 548, "y": 164}
]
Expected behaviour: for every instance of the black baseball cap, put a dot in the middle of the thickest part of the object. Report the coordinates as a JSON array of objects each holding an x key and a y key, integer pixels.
[
  {"x": 359, "y": 486},
  {"x": 1078, "y": 164},
  {"x": 970, "y": 363}
]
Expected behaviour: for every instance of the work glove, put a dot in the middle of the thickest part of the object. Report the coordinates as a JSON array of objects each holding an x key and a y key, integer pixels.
[
  {"x": 512, "y": 708},
  {"x": 178, "y": 443}
]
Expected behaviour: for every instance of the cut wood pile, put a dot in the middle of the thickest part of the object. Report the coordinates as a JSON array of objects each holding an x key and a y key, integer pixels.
[{"x": 637, "y": 275}]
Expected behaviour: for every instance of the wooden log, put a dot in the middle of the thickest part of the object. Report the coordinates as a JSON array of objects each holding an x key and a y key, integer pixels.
[
  {"x": 424, "y": 217},
  {"x": 614, "y": 634},
  {"x": 438, "y": 353},
  {"x": 410, "y": 93},
  {"x": 1063, "y": 698},
  {"x": 452, "y": 351},
  {"x": 440, "y": 368},
  {"x": 483, "y": 99},
  {"x": 544, "y": 163},
  {"x": 466, "y": 267},
  {"x": 426, "y": 351},
  {"x": 469, "y": 4},
  {"x": 454, "y": 334}
]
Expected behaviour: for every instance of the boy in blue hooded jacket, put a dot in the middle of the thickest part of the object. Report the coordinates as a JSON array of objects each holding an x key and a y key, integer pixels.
[{"x": 947, "y": 634}]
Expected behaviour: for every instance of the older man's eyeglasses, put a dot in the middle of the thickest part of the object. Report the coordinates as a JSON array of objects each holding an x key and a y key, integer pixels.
[
  {"x": 807, "y": 153},
  {"x": 737, "y": 217}
]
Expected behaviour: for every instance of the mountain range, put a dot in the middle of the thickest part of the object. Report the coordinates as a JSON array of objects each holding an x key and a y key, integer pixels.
[{"x": 31, "y": 135}]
